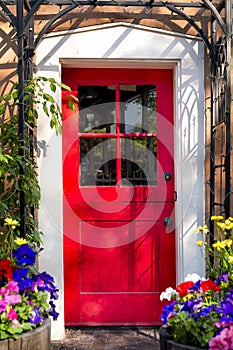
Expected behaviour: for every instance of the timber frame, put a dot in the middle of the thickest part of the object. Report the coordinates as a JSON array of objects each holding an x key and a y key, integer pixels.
[{"x": 210, "y": 20}]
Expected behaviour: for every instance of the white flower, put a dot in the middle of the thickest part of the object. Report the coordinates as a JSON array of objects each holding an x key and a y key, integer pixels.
[
  {"x": 194, "y": 277},
  {"x": 169, "y": 292}
]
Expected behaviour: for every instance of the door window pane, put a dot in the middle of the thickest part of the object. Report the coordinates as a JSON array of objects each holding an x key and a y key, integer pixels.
[
  {"x": 97, "y": 109},
  {"x": 97, "y": 162},
  {"x": 138, "y": 108},
  {"x": 138, "y": 161}
]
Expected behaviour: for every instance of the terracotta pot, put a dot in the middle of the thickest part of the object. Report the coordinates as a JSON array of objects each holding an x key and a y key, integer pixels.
[{"x": 38, "y": 339}]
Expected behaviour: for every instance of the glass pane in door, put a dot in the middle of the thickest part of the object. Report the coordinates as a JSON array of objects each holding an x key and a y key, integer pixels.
[
  {"x": 97, "y": 109},
  {"x": 138, "y": 161},
  {"x": 138, "y": 108},
  {"x": 97, "y": 161}
]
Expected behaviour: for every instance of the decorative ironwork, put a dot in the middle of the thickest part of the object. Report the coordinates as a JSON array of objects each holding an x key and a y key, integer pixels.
[{"x": 22, "y": 14}]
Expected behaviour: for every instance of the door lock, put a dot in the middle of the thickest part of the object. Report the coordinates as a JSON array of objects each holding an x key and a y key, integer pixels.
[
  {"x": 167, "y": 176},
  {"x": 167, "y": 222}
]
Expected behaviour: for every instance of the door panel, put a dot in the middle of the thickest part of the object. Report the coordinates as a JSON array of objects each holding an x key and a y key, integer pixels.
[{"x": 117, "y": 157}]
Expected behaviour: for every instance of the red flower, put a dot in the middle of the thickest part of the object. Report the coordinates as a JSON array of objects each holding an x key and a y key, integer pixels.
[
  {"x": 209, "y": 285},
  {"x": 183, "y": 288},
  {"x": 5, "y": 269}
]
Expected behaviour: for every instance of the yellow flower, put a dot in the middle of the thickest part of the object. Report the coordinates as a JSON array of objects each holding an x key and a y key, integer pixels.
[
  {"x": 230, "y": 218},
  {"x": 188, "y": 297},
  {"x": 228, "y": 225},
  {"x": 230, "y": 259},
  {"x": 227, "y": 243},
  {"x": 20, "y": 241},
  {"x": 199, "y": 243},
  {"x": 221, "y": 225},
  {"x": 217, "y": 218},
  {"x": 202, "y": 228},
  {"x": 12, "y": 223},
  {"x": 218, "y": 245}
]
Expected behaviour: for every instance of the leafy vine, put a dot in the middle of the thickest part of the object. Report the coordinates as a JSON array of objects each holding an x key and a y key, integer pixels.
[{"x": 18, "y": 167}]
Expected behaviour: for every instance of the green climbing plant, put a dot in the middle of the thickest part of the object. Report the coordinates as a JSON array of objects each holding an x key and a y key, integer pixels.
[{"x": 18, "y": 167}]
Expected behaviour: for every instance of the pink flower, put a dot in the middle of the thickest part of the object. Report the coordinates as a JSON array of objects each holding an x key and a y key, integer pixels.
[
  {"x": 218, "y": 343},
  {"x": 38, "y": 283},
  {"x": 12, "y": 286},
  {"x": 12, "y": 315},
  {"x": 15, "y": 323},
  {"x": 222, "y": 341},
  {"x": 12, "y": 299}
]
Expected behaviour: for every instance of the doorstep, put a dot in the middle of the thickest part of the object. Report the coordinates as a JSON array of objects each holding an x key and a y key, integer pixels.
[{"x": 109, "y": 338}]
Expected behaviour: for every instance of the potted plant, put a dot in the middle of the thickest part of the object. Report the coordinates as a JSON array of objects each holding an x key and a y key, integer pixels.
[
  {"x": 200, "y": 310},
  {"x": 26, "y": 295}
]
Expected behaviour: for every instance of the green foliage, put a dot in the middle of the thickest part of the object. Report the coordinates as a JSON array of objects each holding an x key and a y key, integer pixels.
[
  {"x": 18, "y": 168},
  {"x": 195, "y": 332}
]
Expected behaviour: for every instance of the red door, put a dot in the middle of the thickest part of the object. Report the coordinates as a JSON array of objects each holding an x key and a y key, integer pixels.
[{"x": 119, "y": 244}]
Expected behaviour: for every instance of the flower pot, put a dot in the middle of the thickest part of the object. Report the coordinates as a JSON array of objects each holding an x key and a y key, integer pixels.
[
  {"x": 172, "y": 345},
  {"x": 167, "y": 342},
  {"x": 38, "y": 339},
  {"x": 164, "y": 336}
]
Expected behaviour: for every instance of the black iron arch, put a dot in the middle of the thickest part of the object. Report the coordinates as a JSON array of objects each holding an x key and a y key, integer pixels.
[{"x": 21, "y": 15}]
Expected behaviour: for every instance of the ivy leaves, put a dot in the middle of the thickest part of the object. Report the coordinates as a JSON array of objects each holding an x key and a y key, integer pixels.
[{"x": 18, "y": 168}]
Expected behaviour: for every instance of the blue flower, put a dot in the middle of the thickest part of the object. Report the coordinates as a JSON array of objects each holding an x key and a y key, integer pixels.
[
  {"x": 191, "y": 305},
  {"x": 24, "y": 255},
  {"x": 21, "y": 276},
  {"x": 222, "y": 278},
  {"x": 47, "y": 284},
  {"x": 226, "y": 307},
  {"x": 225, "y": 320},
  {"x": 52, "y": 311},
  {"x": 195, "y": 287},
  {"x": 168, "y": 310},
  {"x": 35, "y": 317}
]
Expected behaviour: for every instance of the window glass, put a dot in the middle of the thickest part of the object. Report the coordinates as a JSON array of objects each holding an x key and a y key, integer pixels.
[
  {"x": 97, "y": 109},
  {"x": 97, "y": 162},
  {"x": 138, "y": 108},
  {"x": 138, "y": 161}
]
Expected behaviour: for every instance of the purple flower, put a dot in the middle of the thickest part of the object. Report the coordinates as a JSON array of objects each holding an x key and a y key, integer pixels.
[
  {"x": 195, "y": 287},
  {"x": 222, "y": 278},
  {"x": 226, "y": 307},
  {"x": 52, "y": 311},
  {"x": 3, "y": 305},
  {"x": 24, "y": 255},
  {"x": 188, "y": 306},
  {"x": 35, "y": 317},
  {"x": 223, "y": 321},
  {"x": 205, "y": 311},
  {"x": 45, "y": 282},
  {"x": 21, "y": 276},
  {"x": 168, "y": 310}
]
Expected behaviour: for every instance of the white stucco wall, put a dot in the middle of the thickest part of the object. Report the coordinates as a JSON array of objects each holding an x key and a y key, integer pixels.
[{"x": 125, "y": 45}]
